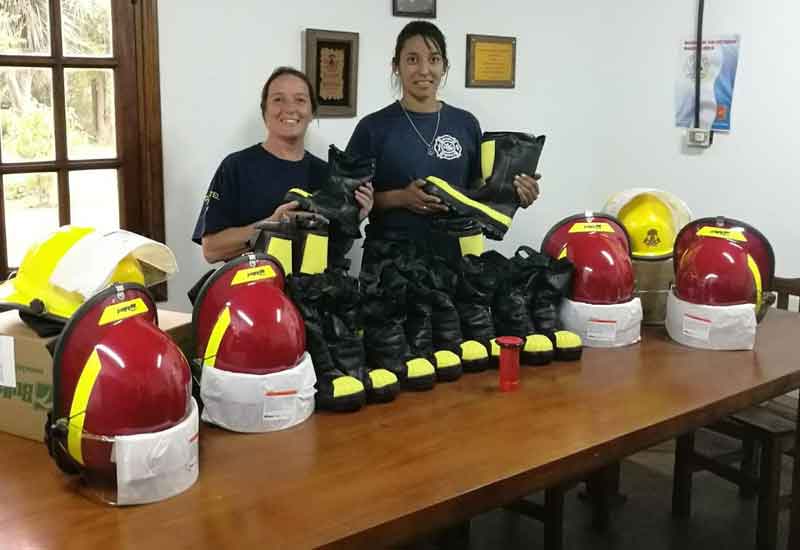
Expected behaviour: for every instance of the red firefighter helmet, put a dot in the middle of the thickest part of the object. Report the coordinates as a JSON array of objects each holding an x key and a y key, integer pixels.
[
  {"x": 115, "y": 373},
  {"x": 721, "y": 261},
  {"x": 598, "y": 246},
  {"x": 243, "y": 322}
]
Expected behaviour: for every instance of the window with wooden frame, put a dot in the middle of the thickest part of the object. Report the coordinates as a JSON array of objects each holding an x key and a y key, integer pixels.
[{"x": 80, "y": 121}]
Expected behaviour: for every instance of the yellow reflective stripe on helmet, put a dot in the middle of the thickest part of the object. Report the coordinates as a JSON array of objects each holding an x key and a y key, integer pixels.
[
  {"x": 472, "y": 244},
  {"x": 122, "y": 310},
  {"x": 253, "y": 274},
  {"x": 80, "y": 402},
  {"x": 583, "y": 227},
  {"x": 315, "y": 254},
  {"x": 462, "y": 198},
  {"x": 301, "y": 192},
  {"x": 722, "y": 233},
  {"x": 563, "y": 253},
  {"x": 222, "y": 324},
  {"x": 487, "y": 158},
  {"x": 751, "y": 263},
  {"x": 281, "y": 250}
]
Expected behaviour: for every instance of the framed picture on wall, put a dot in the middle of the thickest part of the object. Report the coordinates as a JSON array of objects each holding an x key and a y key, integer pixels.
[
  {"x": 491, "y": 61},
  {"x": 331, "y": 63},
  {"x": 414, "y": 8}
]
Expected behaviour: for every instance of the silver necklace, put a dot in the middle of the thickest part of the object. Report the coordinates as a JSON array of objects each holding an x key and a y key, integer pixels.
[{"x": 428, "y": 144}]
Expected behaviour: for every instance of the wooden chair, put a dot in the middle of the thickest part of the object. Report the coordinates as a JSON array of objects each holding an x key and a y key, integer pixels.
[{"x": 766, "y": 432}]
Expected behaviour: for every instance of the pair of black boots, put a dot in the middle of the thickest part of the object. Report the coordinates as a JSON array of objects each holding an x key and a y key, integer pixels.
[
  {"x": 518, "y": 297},
  {"x": 504, "y": 155},
  {"x": 412, "y": 321},
  {"x": 330, "y": 304}
]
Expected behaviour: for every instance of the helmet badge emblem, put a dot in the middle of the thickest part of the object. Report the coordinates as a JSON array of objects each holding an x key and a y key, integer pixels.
[{"x": 652, "y": 238}]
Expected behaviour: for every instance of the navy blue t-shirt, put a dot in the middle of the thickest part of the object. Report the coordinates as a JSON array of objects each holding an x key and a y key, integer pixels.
[
  {"x": 401, "y": 157},
  {"x": 250, "y": 184}
]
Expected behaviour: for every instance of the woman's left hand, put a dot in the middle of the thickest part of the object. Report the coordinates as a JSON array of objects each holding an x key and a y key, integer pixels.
[
  {"x": 527, "y": 188},
  {"x": 365, "y": 200}
]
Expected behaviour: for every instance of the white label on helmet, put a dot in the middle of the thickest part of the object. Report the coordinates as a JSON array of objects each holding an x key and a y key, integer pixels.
[
  {"x": 596, "y": 227},
  {"x": 8, "y": 370},
  {"x": 601, "y": 329},
  {"x": 697, "y": 327},
  {"x": 279, "y": 406}
]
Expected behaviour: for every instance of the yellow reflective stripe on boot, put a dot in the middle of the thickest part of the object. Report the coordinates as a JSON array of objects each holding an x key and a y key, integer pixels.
[
  {"x": 315, "y": 254},
  {"x": 222, "y": 324},
  {"x": 346, "y": 385},
  {"x": 80, "y": 402},
  {"x": 537, "y": 343},
  {"x": 419, "y": 367},
  {"x": 446, "y": 359},
  {"x": 381, "y": 378},
  {"x": 487, "y": 158},
  {"x": 495, "y": 351},
  {"x": 472, "y": 244},
  {"x": 281, "y": 249},
  {"x": 462, "y": 198},
  {"x": 566, "y": 339},
  {"x": 472, "y": 350},
  {"x": 298, "y": 191}
]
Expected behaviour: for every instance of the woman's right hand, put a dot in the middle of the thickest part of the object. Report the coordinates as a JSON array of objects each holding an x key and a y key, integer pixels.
[
  {"x": 417, "y": 200},
  {"x": 286, "y": 210}
]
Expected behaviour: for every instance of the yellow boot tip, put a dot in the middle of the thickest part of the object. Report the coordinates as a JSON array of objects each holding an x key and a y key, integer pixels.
[
  {"x": 382, "y": 378},
  {"x": 346, "y": 385}
]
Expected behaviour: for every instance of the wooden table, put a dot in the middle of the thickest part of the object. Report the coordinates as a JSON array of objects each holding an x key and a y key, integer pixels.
[{"x": 389, "y": 473}]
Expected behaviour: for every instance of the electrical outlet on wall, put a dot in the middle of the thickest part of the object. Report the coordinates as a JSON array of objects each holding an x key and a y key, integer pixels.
[{"x": 698, "y": 137}]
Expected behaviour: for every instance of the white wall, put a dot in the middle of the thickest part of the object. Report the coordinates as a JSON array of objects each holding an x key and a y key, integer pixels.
[{"x": 596, "y": 76}]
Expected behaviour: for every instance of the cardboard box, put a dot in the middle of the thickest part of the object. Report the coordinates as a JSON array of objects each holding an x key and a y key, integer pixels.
[{"x": 23, "y": 409}]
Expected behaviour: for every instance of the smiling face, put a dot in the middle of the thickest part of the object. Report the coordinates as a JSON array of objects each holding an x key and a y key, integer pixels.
[
  {"x": 420, "y": 67},
  {"x": 287, "y": 112}
]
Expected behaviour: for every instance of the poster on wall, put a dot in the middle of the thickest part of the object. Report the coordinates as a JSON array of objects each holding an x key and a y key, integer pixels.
[{"x": 718, "y": 62}]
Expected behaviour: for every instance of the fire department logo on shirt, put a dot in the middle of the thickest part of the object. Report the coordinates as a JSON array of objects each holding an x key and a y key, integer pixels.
[{"x": 447, "y": 147}]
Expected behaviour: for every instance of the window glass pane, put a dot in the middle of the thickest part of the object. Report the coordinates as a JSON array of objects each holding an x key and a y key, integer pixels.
[
  {"x": 31, "y": 211},
  {"x": 94, "y": 199},
  {"x": 86, "y": 27},
  {"x": 90, "y": 113},
  {"x": 25, "y": 27},
  {"x": 26, "y": 114}
]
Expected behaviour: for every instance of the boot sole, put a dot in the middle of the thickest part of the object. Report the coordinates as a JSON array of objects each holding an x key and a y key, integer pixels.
[
  {"x": 420, "y": 383},
  {"x": 536, "y": 359},
  {"x": 569, "y": 354}
]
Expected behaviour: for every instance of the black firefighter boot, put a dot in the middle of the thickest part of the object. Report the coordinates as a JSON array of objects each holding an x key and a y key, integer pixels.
[
  {"x": 553, "y": 285},
  {"x": 511, "y": 309},
  {"x": 474, "y": 296},
  {"x": 447, "y": 335},
  {"x": 336, "y": 390},
  {"x": 505, "y": 155},
  {"x": 384, "y": 312},
  {"x": 420, "y": 322},
  {"x": 336, "y": 199},
  {"x": 345, "y": 337}
]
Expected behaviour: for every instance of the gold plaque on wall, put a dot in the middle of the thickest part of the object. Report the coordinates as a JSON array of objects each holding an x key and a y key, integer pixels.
[{"x": 491, "y": 61}]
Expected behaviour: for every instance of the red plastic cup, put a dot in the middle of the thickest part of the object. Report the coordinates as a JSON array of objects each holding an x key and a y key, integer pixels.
[{"x": 509, "y": 361}]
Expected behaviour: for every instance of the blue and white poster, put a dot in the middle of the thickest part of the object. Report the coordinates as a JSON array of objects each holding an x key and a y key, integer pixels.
[{"x": 718, "y": 61}]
